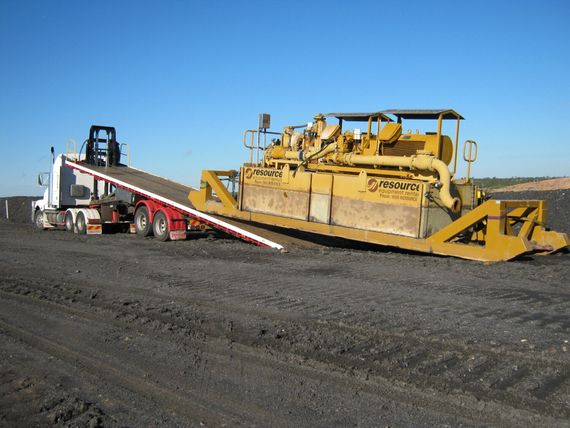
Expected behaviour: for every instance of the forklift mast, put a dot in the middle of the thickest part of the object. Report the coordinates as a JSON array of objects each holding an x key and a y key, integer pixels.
[{"x": 102, "y": 147}]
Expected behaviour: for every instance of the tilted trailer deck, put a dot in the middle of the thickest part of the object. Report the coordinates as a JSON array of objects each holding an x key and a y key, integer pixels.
[
  {"x": 90, "y": 190},
  {"x": 164, "y": 192}
]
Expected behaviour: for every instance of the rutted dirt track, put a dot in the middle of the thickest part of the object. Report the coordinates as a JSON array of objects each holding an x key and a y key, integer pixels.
[{"x": 117, "y": 330}]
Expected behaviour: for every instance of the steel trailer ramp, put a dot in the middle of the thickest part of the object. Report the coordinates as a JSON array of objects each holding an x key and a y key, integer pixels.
[{"x": 169, "y": 193}]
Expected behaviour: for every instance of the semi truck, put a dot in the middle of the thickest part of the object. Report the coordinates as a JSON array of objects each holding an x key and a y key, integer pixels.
[
  {"x": 90, "y": 191},
  {"x": 379, "y": 185}
]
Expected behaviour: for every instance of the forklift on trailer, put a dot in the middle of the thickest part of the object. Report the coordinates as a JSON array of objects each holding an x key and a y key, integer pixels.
[
  {"x": 92, "y": 190},
  {"x": 86, "y": 204}
]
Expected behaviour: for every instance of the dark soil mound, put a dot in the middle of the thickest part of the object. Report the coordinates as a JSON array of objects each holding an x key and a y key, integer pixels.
[{"x": 17, "y": 209}]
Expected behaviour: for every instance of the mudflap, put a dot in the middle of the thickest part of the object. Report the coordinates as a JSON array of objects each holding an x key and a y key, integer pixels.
[
  {"x": 177, "y": 235},
  {"x": 94, "y": 229}
]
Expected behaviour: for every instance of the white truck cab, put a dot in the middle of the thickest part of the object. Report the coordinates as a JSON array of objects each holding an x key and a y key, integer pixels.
[{"x": 65, "y": 190}]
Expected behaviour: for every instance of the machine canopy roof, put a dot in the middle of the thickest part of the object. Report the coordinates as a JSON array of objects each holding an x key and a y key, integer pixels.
[
  {"x": 359, "y": 117},
  {"x": 424, "y": 114}
]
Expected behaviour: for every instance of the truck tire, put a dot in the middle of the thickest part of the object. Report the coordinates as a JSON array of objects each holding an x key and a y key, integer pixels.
[
  {"x": 81, "y": 224},
  {"x": 39, "y": 219},
  {"x": 69, "y": 226},
  {"x": 160, "y": 226},
  {"x": 143, "y": 227}
]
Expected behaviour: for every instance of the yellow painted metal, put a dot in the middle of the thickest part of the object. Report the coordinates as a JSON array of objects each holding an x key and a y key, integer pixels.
[
  {"x": 484, "y": 234},
  {"x": 468, "y": 155},
  {"x": 253, "y": 146},
  {"x": 347, "y": 185},
  {"x": 390, "y": 133},
  {"x": 456, "y": 145},
  {"x": 421, "y": 161}
]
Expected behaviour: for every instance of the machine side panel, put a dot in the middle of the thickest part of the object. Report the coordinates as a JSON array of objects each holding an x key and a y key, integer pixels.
[
  {"x": 382, "y": 205},
  {"x": 434, "y": 214},
  {"x": 276, "y": 192},
  {"x": 320, "y": 211},
  {"x": 281, "y": 202},
  {"x": 321, "y": 195},
  {"x": 375, "y": 216}
]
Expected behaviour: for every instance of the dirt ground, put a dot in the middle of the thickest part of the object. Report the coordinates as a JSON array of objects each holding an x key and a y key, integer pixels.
[{"x": 116, "y": 330}]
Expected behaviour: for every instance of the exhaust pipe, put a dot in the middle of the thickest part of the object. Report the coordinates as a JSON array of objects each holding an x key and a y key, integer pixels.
[{"x": 420, "y": 161}]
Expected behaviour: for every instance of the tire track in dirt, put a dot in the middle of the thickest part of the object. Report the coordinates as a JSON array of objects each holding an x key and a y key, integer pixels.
[
  {"x": 307, "y": 374},
  {"x": 28, "y": 401},
  {"x": 366, "y": 386},
  {"x": 417, "y": 323},
  {"x": 188, "y": 404},
  {"x": 509, "y": 378},
  {"x": 556, "y": 303}
]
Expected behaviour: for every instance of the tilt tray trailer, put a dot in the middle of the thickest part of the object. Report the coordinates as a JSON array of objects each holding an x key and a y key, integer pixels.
[{"x": 87, "y": 192}]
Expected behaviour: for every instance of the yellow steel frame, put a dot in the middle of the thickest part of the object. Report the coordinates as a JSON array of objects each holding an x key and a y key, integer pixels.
[
  {"x": 493, "y": 231},
  {"x": 439, "y": 135},
  {"x": 469, "y": 156}
]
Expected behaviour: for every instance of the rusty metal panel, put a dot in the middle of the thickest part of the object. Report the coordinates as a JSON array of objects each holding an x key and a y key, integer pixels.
[
  {"x": 280, "y": 202},
  {"x": 320, "y": 208},
  {"x": 321, "y": 191},
  {"x": 434, "y": 214},
  {"x": 376, "y": 216}
]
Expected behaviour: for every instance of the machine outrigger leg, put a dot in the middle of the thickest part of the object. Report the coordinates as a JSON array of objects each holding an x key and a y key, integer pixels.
[{"x": 499, "y": 230}]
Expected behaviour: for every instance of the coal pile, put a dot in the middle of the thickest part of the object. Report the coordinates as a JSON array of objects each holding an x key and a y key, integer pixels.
[
  {"x": 558, "y": 201},
  {"x": 17, "y": 209}
]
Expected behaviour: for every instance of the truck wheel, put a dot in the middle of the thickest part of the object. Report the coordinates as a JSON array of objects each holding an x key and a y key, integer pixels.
[
  {"x": 143, "y": 226},
  {"x": 69, "y": 226},
  {"x": 39, "y": 219},
  {"x": 81, "y": 224},
  {"x": 160, "y": 226}
]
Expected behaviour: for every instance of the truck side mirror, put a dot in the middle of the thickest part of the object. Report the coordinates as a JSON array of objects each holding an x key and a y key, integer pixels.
[{"x": 43, "y": 178}]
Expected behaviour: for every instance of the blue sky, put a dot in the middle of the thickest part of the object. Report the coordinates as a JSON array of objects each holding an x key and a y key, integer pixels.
[{"x": 181, "y": 80}]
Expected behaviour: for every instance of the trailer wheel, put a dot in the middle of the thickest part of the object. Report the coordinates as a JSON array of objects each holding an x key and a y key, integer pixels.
[
  {"x": 143, "y": 226},
  {"x": 39, "y": 219},
  {"x": 160, "y": 226},
  {"x": 81, "y": 224},
  {"x": 69, "y": 226}
]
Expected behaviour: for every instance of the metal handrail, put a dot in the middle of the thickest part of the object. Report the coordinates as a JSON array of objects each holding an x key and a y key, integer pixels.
[
  {"x": 469, "y": 157},
  {"x": 128, "y": 152},
  {"x": 71, "y": 142},
  {"x": 252, "y": 146}
]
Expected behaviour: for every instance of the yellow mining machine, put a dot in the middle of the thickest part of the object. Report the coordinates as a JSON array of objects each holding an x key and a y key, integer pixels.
[{"x": 375, "y": 183}]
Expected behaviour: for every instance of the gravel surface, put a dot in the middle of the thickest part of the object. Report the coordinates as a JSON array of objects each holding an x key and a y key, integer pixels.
[{"x": 116, "y": 330}]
